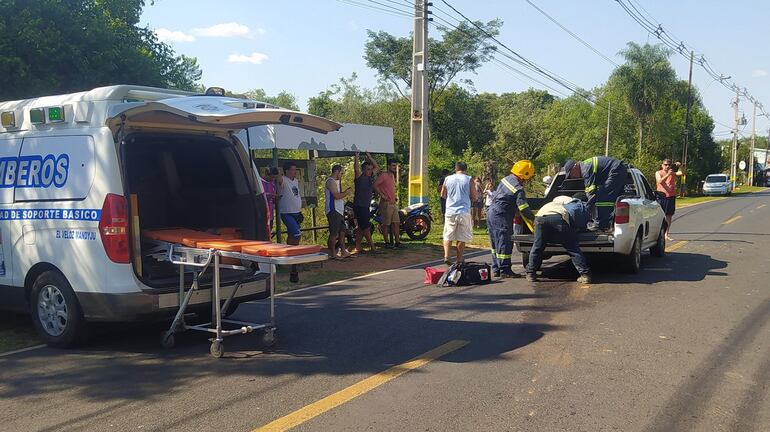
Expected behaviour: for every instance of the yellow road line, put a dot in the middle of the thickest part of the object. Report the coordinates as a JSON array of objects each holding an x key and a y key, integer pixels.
[
  {"x": 761, "y": 206},
  {"x": 676, "y": 245},
  {"x": 334, "y": 400},
  {"x": 731, "y": 220}
]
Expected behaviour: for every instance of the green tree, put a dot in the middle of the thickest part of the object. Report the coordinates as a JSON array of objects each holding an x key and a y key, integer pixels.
[
  {"x": 646, "y": 76},
  {"x": 520, "y": 126},
  {"x": 462, "y": 49},
  {"x": 62, "y": 46},
  {"x": 283, "y": 99}
]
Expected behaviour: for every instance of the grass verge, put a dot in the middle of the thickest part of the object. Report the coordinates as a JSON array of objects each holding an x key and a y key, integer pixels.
[{"x": 16, "y": 331}]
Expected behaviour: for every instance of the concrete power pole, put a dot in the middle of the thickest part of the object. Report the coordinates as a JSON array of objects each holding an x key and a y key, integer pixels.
[
  {"x": 733, "y": 150},
  {"x": 687, "y": 128},
  {"x": 607, "y": 143},
  {"x": 420, "y": 134},
  {"x": 751, "y": 153}
]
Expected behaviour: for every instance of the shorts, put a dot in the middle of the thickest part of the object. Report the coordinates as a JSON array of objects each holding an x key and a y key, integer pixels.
[
  {"x": 668, "y": 205},
  {"x": 336, "y": 223},
  {"x": 363, "y": 217},
  {"x": 458, "y": 227},
  {"x": 292, "y": 224},
  {"x": 388, "y": 213}
]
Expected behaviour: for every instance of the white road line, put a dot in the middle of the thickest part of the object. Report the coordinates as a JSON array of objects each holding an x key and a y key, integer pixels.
[{"x": 32, "y": 348}]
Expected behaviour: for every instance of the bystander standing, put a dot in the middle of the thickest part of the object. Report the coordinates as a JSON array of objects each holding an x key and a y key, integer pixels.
[
  {"x": 362, "y": 198},
  {"x": 385, "y": 186},
  {"x": 458, "y": 223},
  {"x": 666, "y": 183},
  {"x": 335, "y": 210}
]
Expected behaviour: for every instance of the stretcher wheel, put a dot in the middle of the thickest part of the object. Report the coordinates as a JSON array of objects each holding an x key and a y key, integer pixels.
[
  {"x": 268, "y": 337},
  {"x": 167, "y": 339},
  {"x": 217, "y": 350}
]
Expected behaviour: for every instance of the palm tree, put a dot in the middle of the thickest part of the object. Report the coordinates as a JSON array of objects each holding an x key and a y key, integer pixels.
[{"x": 646, "y": 76}]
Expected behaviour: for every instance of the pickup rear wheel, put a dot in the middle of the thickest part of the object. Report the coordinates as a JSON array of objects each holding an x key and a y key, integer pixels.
[
  {"x": 634, "y": 259},
  {"x": 659, "y": 250}
]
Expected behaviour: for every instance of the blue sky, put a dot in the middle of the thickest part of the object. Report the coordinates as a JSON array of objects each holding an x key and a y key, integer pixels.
[{"x": 304, "y": 46}]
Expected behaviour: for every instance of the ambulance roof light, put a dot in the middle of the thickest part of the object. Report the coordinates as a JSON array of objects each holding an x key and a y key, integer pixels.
[{"x": 8, "y": 119}]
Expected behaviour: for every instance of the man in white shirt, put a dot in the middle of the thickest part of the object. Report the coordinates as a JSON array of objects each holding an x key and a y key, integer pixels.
[
  {"x": 335, "y": 209},
  {"x": 290, "y": 202}
]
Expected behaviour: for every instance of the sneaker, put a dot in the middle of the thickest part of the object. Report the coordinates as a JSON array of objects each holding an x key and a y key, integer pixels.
[
  {"x": 508, "y": 274},
  {"x": 531, "y": 277},
  {"x": 585, "y": 278},
  {"x": 344, "y": 253}
]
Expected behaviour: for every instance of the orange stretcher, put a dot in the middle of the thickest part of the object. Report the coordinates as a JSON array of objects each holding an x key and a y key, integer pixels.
[
  {"x": 280, "y": 250},
  {"x": 199, "y": 251},
  {"x": 183, "y": 236}
]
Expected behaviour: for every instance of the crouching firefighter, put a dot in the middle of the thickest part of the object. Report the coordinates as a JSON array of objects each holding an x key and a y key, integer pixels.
[
  {"x": 604, "y": 178},
  {"x": 509, "y": 200}
]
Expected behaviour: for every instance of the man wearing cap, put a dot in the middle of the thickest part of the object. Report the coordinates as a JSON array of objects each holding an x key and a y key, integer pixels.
[
  {"x": 558, "y": 222},
  {"x": 509, "y": 200},
  {"x": 604, "y": 178}
]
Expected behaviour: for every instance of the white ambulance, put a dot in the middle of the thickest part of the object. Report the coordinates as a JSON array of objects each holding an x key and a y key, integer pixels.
[{"x": 74, "y": 167}]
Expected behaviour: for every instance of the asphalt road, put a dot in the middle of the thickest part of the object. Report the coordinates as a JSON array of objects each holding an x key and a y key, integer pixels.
[{"x": 682, "y": 346}]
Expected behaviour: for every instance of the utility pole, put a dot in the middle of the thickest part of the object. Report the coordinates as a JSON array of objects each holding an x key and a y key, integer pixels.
[
  {"x": 607, "y": 143},
  {"x": 733, "y": 153},
  {"x": 751, "y": 153},
  {"x": 420, "y": 133},
  {"x": 687, "y": 128}
]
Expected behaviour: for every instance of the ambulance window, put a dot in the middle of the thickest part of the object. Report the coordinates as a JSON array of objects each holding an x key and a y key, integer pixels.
[
  {"x": 55, "y": 168},
  {"x": 9, "y": 154}
]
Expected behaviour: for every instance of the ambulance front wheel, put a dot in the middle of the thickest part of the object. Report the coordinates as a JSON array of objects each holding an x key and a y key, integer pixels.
[{"x": 55, "y": 310}]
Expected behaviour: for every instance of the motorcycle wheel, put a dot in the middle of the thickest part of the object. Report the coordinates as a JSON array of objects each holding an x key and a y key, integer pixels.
[{"x": 417, "y": 228}]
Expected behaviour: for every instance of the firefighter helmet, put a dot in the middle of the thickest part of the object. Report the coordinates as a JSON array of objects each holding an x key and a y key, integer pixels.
[{"x": 523, "y": 169}]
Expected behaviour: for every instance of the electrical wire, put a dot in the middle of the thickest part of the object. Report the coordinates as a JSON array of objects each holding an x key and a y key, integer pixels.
[
  {"x": 571, "y": 33},
  {"x": 372, "y": 7}
]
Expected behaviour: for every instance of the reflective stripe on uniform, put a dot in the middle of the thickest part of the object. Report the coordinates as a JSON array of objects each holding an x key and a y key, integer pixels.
[
  {"x": 503, "y": 256},
  {"x": 523, "y": 206},
  {"x": 595, "y": 161},
  {"x": 591, "y": 188},
  {"x": 509, "y": 186},
  {"x": 605, "y": 204}
]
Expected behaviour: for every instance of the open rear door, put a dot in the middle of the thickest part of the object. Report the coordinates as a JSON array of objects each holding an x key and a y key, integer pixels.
[{"x": 211, "y": 113}]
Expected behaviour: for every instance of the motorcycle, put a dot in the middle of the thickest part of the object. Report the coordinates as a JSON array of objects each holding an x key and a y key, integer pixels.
[{"x": 415, "y": 220}]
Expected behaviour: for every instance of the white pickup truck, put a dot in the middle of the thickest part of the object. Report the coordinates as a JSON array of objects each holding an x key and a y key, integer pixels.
[{"x": 639, "y": 223}]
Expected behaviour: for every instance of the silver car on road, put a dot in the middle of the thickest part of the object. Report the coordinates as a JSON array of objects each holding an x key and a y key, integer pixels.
[{"x": 717, "y": 184}]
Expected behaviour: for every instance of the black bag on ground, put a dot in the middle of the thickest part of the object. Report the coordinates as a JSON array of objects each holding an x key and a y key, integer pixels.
[{"x": 466, "y": 273}]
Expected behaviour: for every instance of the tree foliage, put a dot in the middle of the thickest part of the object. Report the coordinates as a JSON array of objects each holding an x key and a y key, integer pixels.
[
  {"x": 62, "y": 46},
  {"x": 462, "y": 49}
]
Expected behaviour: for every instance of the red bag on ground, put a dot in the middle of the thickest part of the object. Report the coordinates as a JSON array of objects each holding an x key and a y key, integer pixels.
[{"x": 433, "y": 274}]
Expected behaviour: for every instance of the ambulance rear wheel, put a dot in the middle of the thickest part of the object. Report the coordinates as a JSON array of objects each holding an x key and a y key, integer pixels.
[{"x": 55, "y": 310}]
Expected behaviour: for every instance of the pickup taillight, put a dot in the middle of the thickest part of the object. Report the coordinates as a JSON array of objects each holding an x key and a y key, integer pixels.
[
  {"x": 517, "y": 219},
  {"x": 622, "y": 213}
]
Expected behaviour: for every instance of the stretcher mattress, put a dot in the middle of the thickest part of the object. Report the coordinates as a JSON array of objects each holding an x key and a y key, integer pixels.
[
  {"x": 280, "y": 250},
  {"x": 183, "y": 236},
  {"x": 230, "y": 245}
]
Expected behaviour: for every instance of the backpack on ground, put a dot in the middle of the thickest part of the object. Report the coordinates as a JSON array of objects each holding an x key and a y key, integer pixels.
[{"x": 466, "y": 273}]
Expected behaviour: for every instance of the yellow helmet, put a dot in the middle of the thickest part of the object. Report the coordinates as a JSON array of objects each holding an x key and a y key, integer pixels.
[{"x": 523, "y": 169}]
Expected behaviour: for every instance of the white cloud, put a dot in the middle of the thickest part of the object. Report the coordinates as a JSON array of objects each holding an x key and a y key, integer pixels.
[
  {"x": 166, "y": 35},
  {"x": 759, "y": 73},
  {"x": 254, "y": 58},
  {"x": 226, "y": 30}
]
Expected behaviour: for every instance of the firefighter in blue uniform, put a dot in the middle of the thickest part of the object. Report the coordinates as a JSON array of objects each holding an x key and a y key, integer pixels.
[
  {"x": 509, "y": 199},
  {"x": 604, "y": 178}
]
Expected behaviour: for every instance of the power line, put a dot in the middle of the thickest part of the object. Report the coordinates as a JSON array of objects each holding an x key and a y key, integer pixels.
[
  {"x": 576, "y": 37},
  {"x": 391, "y": 11}
]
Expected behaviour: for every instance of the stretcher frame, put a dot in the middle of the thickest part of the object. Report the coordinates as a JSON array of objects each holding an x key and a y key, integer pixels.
[{"x": 201, "y": 260}]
